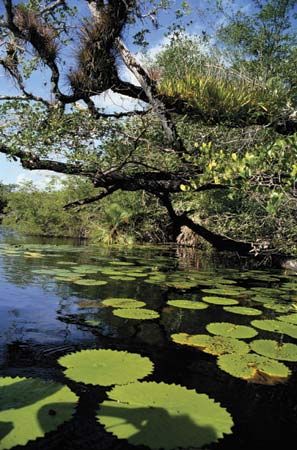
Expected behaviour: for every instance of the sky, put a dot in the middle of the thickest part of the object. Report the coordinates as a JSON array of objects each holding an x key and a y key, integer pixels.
[{"x": 11, "y": 171}]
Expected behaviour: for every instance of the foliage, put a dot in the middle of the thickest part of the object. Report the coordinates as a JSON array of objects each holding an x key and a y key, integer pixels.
[
  {"x": 105, "y": 367},
  {"x": 188, "y": 304},
  {"x": 140, "y": 412},
  {"x": 31, "y": 407},
  {"x": 254, "y": 368},
  {"x": 276, "y": 326},
  {"x": 275, "y": 350},
  {"x": 136, "y": 314},
  {"x": 220, "y": 300},
  {"x": 231, "y": 330},
  {"x": 123, "y": 303},
  {"x": 214, "y": 345},
  {"x": 243, "y": 310}
]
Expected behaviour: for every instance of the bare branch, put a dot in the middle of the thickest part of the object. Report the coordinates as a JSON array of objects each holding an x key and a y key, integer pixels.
[
  {"x": 93, "y": 199},
  {"x": 51, "y": 7}
]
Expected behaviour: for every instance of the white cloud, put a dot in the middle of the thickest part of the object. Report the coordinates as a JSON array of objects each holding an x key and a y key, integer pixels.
[{"x": 40, "y": 178}]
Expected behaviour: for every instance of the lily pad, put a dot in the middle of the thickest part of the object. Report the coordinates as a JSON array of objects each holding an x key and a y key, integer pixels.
[
  {"x": 165, "y": 416},
  {"x": 291, "y": 318},
  {"x": 90, "y": 282},
  {"x": 136, "y": 313},
  {"x": 231, "y": 330},
  {"x": 276, "y": 326},
  {"x": 123, "y": 303},
  {"x": 214, "y": 345},
  {"x": 122, "y": 278},
  {"x": 242, "y": 310},
  {"x": 275, "y": 350},
  {"x": 32, "y": 407},
  {"x": 224, "y": 292},
  {"x": 188, "y": 304},
  {"x": 105, "y": 367},
  {"x": 278, "y": 307},
  {"x": 254, "y": 368},
  {"x": 220, "y": 300}
]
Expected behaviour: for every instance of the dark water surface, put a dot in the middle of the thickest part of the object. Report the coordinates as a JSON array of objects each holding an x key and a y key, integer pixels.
[{"x": 43, "y": 317}]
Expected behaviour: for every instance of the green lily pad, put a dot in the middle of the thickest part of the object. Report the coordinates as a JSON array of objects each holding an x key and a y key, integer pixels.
[
  {"x": 291, "y": 318},
  {"x": 123, "y": 303},
  {"x": 243, "y": 310},
  {"x": 275, "y": 350},
  {"x": 188, "y": 304},
  {"x": 220, "y": 300},
  {"x": 276, "y": 326},
  {"x": 254, "y": 368},
  {"x": 223, "y": 292},
  {"x": 278, "y": 307},
  {"x": 122, "y": 278},
  {"x": 214, "y": 345},
  {"x": 90, "y": 282},
  {"x": 141, "y": 412},
  {"x": 136, "y": 313},
  {"x": 181, "y": 284},
  {"x": 32, "y": 407},
  {"x": 231, "y": 330},
  {"x": 121, "y": 263},
  {"x": 105, "y": 367}
]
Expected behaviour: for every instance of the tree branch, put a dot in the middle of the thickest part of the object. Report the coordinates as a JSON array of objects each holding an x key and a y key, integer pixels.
[{"x": 93, "y": 199}]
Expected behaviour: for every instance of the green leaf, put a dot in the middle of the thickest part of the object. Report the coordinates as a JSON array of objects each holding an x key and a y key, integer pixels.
[
  {"x": 231, "y": 291},
  {"x": 275, "y": 350},
  {"x": 291, "y": 318},
  {"x": 105, "y": 367},
  {"x": 220, "y": 300},
  {"x": 242, "y": 310},
  {"x": 165, "y": 416},
  {"x": 123, "y": 303},
  {"x": 231, "y": 330},
  {"x": 214, "y": 345},
  {"x": 188, "y": 304},
  {"x": 90, "y": 282},
  {"x": 136, "y": 314},
  {"x": 31, "y": 407},
  {"x": 276, "y": 326},
  {"x": 254, "y": 368}
]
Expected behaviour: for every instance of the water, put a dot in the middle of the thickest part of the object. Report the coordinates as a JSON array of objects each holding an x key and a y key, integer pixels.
[{"x": 43, "y": 317}]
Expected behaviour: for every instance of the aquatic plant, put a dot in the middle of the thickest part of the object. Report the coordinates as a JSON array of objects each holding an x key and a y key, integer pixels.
[
  {"x": 105, "y": 367},
  {"x": 220, "y": 300},
  {"x": 165, "y": 416},
  {"x": 243, "y": 310},
  {"x": 188, "y": 304},
  {"x": 123, "y": 303},
  {"x": 291, "y": 318},
  {"x": 276, "y": 326},
  {"x": 231, "y": 330},
  {"x": 136, "y": 313},
  {"x": 275, "y": 349},
  {"x": 90, "y": 282},
  {"x": 254, "y": 368},
  {"x": 31, "y": 407},
  {"x": 214, "y": 345}
]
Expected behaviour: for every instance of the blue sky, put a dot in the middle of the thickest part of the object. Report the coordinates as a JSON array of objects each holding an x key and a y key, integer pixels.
[{"x": 12, "y": 172}]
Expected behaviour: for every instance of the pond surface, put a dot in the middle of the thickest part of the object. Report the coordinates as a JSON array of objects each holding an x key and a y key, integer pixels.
[{"x": 58, "y": 298}]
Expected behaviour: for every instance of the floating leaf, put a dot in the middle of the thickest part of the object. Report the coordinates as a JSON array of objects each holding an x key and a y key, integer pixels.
[
  {"x": 123, "y": 303},
  {"x": 165, "y": 416},
  {"x": 220, "y": 300},
  {"x": 90, "y": 282},
  {"x": 243, "y": 310},
  {"x": 278, "y": 307},
  {"x": 122, "y": 278},
  {"x": 188, "y": 304},
  {"x": 275, "y": 350},
  {"x": 231, "y": 330},
  {"x": 223, "y": 292},
  {"x": 214, "y": 345},
  {"x": 32, "y": 407},
  {"x": 136, "y": 313},
  {"x": 276, "y": 326},
  {"x": 291, "y": 318},
  {"x": 105, "y": 367},
  {"x": 121, "y": 263},
  {"x": 254, "y": 368}
]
